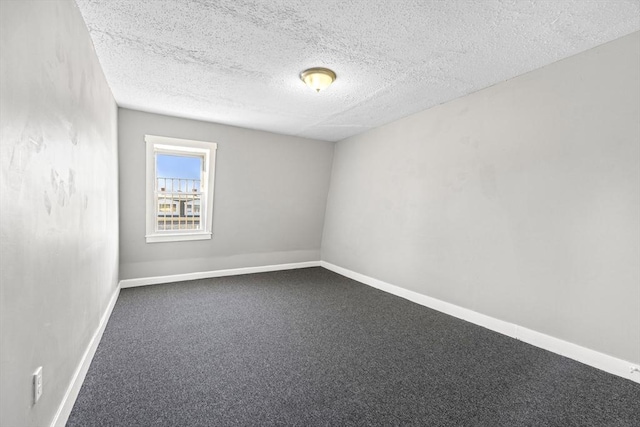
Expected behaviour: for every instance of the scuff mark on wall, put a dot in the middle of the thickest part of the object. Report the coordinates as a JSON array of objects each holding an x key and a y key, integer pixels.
[
  {"x": 30, "y": 143},
  {"x": 62, "y": 189},
  {"x": 62, "y": 194},
  {"x": 488, "y": 181},
  {"x": 70, "y": 78},
  {"x": 72, "y": 182},
  {"x": 73, "y": 135},
  {"x": 470, "y": 141},
  {"x": 456, "y": 180},
  {"x": 54, "y": 180},
  {"x": 47, "y": 203},
  {"x": 60, "y": 55}
]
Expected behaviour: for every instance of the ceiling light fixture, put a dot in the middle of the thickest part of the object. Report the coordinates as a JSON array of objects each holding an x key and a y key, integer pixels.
[{"x": 318, "y": 78}]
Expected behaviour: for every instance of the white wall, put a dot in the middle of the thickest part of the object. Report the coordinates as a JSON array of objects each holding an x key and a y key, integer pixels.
[
  {"x": 270, "y": 197},
  {"x": 59, "y": 202},
  {"x": 520, "y": 201}
]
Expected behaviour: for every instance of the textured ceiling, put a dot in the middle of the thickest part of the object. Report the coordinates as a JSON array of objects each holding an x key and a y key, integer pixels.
[{"x": 237, "y": 61}]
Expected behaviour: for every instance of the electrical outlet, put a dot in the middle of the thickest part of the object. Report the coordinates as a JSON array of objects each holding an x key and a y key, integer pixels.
[{"x": 37, "y": 384}]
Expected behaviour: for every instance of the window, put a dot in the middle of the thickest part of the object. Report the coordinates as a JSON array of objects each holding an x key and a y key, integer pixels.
[{"x": 179, "y": 201}]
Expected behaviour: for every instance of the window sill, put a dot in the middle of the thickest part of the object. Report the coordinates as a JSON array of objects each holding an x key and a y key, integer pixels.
[{"x": 177, "y": 237}]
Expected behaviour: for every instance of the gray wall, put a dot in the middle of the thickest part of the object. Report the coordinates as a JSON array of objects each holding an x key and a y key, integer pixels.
[
  {"x": 270, "y": 196},
  {"x": 520, "y": 201},
  {"x": 58, "y": 199}
]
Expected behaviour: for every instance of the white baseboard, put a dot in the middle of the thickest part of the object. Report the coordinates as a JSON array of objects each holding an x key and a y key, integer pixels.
[
  {"x": 613, "y": 365},
  {"x": 69, "y": 399},
  {"x": 130, "y": 283}
]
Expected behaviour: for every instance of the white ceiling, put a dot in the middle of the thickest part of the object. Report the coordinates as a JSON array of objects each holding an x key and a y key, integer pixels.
[{"x": 237, "y": 61}]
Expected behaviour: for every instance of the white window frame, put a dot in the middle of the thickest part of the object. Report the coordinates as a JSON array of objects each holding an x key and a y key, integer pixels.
[{"x": 164, "y": 145}]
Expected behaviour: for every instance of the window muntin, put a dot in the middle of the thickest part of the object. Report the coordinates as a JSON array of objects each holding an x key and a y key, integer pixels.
[{"x": 179, "y": 189}]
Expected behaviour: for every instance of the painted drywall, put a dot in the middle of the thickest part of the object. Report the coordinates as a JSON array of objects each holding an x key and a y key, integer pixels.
[
  {"x": 269, "y": 203},
  {"x": 520, "y": 201},
  {"x": 58, "y": 199}
]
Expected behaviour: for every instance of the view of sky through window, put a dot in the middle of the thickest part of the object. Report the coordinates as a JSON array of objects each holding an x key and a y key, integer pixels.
[{"x": 184, "y": 167}]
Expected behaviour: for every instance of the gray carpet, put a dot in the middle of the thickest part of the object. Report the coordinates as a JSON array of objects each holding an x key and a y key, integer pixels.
[{"x": 312, "y": 348}]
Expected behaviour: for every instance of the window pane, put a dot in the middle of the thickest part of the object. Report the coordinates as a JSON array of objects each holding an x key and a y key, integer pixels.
[
  {"x": 179, "y": 192},
  {"x": 186, "y": 167}
]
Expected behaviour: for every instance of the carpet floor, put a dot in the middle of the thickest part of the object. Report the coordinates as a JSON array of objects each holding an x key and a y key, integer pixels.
[{"x": 312, "y": 348}]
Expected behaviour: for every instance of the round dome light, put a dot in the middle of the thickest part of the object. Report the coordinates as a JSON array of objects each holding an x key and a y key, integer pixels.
[{"x": 318, "y": 78}]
